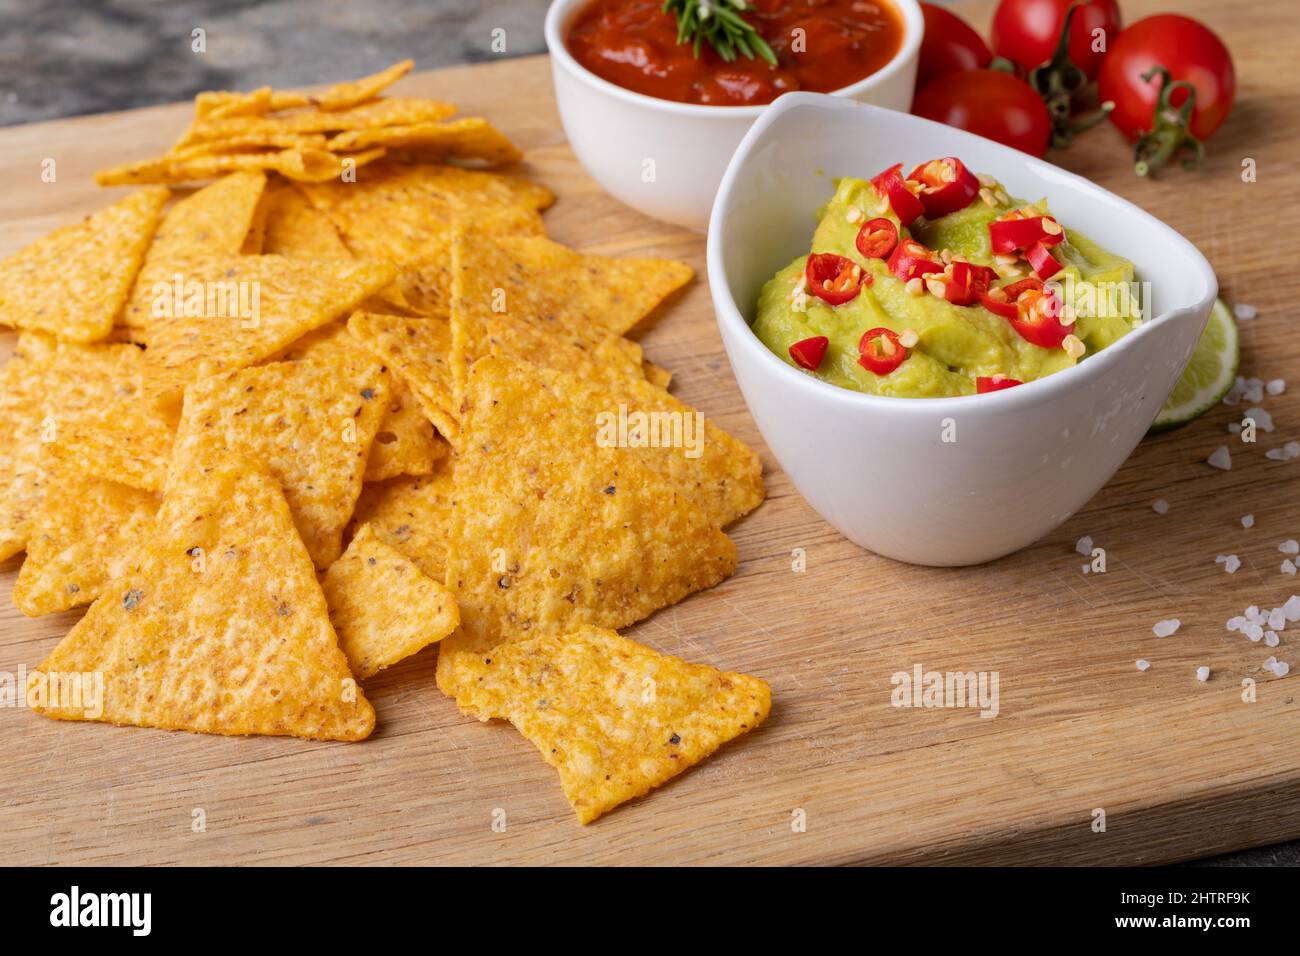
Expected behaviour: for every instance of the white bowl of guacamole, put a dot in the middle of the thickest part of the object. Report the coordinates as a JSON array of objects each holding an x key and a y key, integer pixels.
[{"x": 919, "y": 450}]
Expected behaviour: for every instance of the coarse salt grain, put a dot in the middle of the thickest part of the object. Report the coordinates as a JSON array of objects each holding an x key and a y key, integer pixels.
[
  {"x": 1248, "y": 521},
  {"x": 1276, "y": 386},
  {"x": 1288, "y": 567},
  {"x": 1245, "y": 312},
  {"x": 1142, "y": 664},
  {"x": 1289, "y": 546},
  {"x": 1279, "y": 668},
  {"x": 1221, "y": 458},
  {"x": 1202, "y": 674},
  {"x": 1084, "y": 545},
  {"x": 1166, "y": 628},
  {"x": 1160, "y": 506},
  {"x": 1291, "y": 608},
  {"x": 1284, "y": 452},
  {"x": 1271, "y": 639},
  {"x": 1277, "y": 619},
  {"x": 1236, "y": 623},
  {"x": 1253, "y": 631},
  {"x": 1230, "y": 562},
  {"x": 1261, "y": 418}
]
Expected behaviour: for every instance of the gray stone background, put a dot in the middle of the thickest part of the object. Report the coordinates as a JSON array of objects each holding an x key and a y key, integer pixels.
[{"x": 70, "y": 57}]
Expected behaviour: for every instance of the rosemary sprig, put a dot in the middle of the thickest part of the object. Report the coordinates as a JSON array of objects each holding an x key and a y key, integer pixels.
[{"x": 720, "y": 23}]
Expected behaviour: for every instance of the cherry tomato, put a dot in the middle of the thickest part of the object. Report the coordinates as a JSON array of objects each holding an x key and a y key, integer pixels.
[
  {"x": 949, "y": 45},
  {"x": 1026, "y": 32},
  {"x": 992, "y": 104},
  {"x": 880, "y": 351},
  {"x": 1190, "y": 52},
  {"x": 877, "y": 238},
  {"x": 834, "y": 279}
]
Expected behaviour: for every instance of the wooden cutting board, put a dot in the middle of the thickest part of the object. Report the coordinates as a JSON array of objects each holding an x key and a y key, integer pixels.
[{"x": 1181, "y": 769}]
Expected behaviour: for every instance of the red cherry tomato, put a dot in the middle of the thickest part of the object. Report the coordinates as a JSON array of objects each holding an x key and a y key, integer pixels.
[
  {"x": 877, "y": 238},
  {"x": 1026, "y": 32},
  {"x": 992, "y": 104},
  {"x": 880, "y": 351},
  {"x": 994, "y": 383},
  {"x": 1190, "y": 52},
  {"x": 949, "y": 45},
  {"x": 834, "y": 279}
]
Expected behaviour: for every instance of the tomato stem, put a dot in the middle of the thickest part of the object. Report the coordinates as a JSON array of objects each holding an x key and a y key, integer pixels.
[
  {"x": 1061, "y": 83},
  {"x": 1170, "y": 127}
]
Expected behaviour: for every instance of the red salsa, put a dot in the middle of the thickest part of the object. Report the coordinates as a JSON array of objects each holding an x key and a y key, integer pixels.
[{"x": 820, "y": 45}]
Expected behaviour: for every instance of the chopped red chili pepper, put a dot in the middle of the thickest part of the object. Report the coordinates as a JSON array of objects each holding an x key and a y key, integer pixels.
[
  {"x": 880, "y": 351},
  {"x": 911, "y": 259},
  {"x": 877, "y": 238},
  {"x": 1002, "y": 300},
  {"x": 834, "y": 279},
  {"x": 946, "y": 186},
  {"x": 966, "y": 283},
  {"x": 808, "y": 353},
  {"x": 994, "y": 383},
  {"x": 1038, "y": 320},
  {"x": 891, "y": 186},
  {"x": 1021, "y": 232},
  {"x": 1041, "y": 258}
]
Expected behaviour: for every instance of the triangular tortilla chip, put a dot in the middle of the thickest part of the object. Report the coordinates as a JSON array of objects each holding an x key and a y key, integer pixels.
[
  {"x": 411, "y": 515},
  {"x": 298, "y": 163},
  {"x": 223, "y": 103},
  {"x": 470, "y": 138},
  {"x": 126, "y": 440},
  {"x": 308, "y": 423},
  {"x": 405, "y": 214},
  {"x": 82, "y": 538},
  {"x": 721, "y": 474},
  {"x": 531, "y": 299},
  {"x": 612, "y": 716},
  {"x": 390, "y": 111},
  {"x": 297, "y": 229},
  {"x": 418, "y": 350},
  {"x": 214, "y": 221},
  {"x": 406, "y": 443},
  {"x": 382, "y": 606},
  {"x": 46, "y": 390},
  {"x": 551, "y": 531},
  {"x": 343, "y": 96},
  {"x": 251, "y": 308},
  {"x": 73, "y": 282},
  {"x": 219, "y": 627}
]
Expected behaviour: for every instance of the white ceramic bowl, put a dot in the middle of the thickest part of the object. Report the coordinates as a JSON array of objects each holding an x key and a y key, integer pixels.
[
  {"x": 665, "y": 158},
  {"x": 877, "y": 468}
]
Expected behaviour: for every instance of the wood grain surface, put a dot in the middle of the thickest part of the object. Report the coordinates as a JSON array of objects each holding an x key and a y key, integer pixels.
[{"x": 1181, "y": 769}]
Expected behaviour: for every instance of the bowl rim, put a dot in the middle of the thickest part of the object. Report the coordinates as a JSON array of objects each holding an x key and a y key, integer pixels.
[
  {"x": 560, "y": 11},
  {"x": 731, "y": 319}
]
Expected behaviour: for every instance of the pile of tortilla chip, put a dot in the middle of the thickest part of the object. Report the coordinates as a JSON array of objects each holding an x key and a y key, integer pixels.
[{"x": 281, "y": 432}]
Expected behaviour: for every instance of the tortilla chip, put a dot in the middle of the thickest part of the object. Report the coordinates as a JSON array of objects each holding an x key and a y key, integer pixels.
[
  {"x": 81, "y": 539},
  {"x": 405, "y": 214},
  {"x": 303, "y": 165},
  {"x": 219, "y": 627},
  {"x": 406, "y": 443},
  {"x": 468, "y": 138},
  {"x": 411, "y": 515},
  {"x": 721, "y": 474},
  {"x": 292, "y": 298},
  {"x": 391, "y": 111},
  {"x": 224, "y": 103},
  {"x": 534, "y": 300},
  {"x": 214, "y": 221},
  {"x": 550, "y": 531},
  {"x": 48, "y": 388},
  {"x": 127, "y": 440},
  {"x": 249, "y": 143},
  {"x": 74, "y": 281},
  {"x": 297, "y": 229},
  {"x": 656, "y": 375},
  {"x": 308, "y": 423},
  {"x": 382, "y": 607},
  {"x": 615, "y": 718},
  {"x": 417, "y": 349},
  {"x": 344, "y": 96}
]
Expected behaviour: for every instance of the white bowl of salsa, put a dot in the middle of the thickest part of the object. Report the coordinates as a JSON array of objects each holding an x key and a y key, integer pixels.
[{"x": 656, "y": 127}]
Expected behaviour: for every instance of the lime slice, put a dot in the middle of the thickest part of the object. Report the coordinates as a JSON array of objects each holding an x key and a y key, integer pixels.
[{"x": 1209, "y": 375}]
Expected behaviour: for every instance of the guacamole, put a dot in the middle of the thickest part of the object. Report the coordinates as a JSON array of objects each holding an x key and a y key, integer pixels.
[{"x": 940, "y": 284}]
